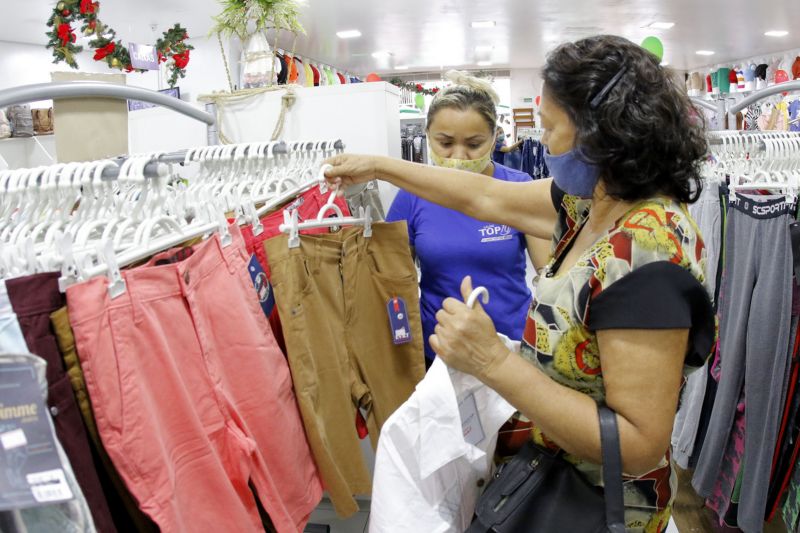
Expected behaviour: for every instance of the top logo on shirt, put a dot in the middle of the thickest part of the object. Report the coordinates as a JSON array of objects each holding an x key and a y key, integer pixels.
[{"x": 495, "y": 233}]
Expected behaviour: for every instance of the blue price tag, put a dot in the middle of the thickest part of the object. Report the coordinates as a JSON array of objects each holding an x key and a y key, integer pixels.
[
  {"x": 263, "y": 289},
  {"x": 398, "y": 321}
]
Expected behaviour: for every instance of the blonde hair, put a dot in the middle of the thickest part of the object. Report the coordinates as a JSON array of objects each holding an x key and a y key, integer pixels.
[{"x": 466, "y": 92}]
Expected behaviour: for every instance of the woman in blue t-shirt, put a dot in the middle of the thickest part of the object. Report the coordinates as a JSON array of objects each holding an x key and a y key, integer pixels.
[{"x": 450, "y": 245}]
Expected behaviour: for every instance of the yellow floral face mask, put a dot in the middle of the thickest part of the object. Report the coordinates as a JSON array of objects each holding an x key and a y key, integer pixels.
[{"x": 470, "y": 165}]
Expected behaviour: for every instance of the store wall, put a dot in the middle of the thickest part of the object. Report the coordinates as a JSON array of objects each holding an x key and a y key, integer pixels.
[
  {"x": 22, "y": 64},
  {"x": 525, "y": 83}
]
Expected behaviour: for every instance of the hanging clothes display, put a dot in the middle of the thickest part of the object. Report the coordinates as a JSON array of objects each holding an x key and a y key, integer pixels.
[
  {"x": 737, "y": 420},
  {"x": 414, "y": 144},
  {"x": 167, "y": 383},
  {"x": 756, "y": 305},
  {"x": 341, "y": 282},
  {"x": 706, "y": 212},
  {"x": 33, "y": 298},
  {"x": 533, "y": 159}
]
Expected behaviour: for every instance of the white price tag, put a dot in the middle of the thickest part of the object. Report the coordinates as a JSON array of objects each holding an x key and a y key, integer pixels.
[
  {"x": 13, "y": 439},
  {"x": 50, "y": 486},
  {"x": 470, "y": 421}
]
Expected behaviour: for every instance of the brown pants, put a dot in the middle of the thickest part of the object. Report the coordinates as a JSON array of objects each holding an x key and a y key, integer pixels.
[{"x": 332, "y": 294}]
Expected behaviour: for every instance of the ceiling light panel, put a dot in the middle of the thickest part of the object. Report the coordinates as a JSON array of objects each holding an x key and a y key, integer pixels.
[{"x": 348, "y": 34}]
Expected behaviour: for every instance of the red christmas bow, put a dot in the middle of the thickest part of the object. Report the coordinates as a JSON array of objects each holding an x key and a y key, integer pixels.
[
  {"x": 105, "y": 51},
  {"x": 420, "y": 88},
  {"x": 181, "y": 60},
  {"x": 88, "y": 7},
  {"x": 65, "y": 34}
]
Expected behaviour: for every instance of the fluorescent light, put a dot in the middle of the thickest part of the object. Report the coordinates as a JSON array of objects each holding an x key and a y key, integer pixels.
[
  {"x": 401, "y": 67},
  {"x": 704, "y": 53},
  {"x": 484, "y": 63},
  {"x": 484, "y": 48},
  {"x": 348, "y": 34},
  {"x": 777, "y": 33},
  {"x": 381, "y": 54},
  {"x": 484, "y": 24},
  {"x": 661, "y": 25}
]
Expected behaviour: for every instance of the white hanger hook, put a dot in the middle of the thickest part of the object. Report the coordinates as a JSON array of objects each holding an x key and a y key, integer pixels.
[{"x": 483, "y": 292}]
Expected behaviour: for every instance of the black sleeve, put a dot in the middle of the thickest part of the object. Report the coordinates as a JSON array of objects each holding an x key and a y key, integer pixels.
[
  {"x": 557, "y": 195},
  {"x": 660, "y": 295}
]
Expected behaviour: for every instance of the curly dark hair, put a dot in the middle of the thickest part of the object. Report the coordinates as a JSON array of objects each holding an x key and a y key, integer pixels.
[{"x": 644, "y": 133}]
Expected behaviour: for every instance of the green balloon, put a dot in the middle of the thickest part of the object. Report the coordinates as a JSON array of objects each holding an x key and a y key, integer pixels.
[
  {"x": 654, "y": 46},
  {"x": 419, "y": 100}
]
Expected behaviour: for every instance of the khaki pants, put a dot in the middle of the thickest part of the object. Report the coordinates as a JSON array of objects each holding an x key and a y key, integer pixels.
[{"x": 332, "y": 294}]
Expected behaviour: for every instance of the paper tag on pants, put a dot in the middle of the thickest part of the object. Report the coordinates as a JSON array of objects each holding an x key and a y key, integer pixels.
[
  {"x": 263, "y": 288},
  {"x": 398, "y": 320},
  {"x": 31, "y": 471},
  {"x": 470, "y": 421}
]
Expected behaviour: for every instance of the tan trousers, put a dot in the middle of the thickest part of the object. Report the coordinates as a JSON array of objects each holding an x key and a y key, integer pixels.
[{"x": 332, "y": 295}]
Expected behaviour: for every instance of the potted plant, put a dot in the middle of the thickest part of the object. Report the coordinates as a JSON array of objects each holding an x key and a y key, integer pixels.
[{"x": 249, "y": 20}]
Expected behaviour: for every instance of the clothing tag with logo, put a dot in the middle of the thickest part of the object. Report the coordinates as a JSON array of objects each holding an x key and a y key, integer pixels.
[
  {"x": 470, "y": 421},
  {"x": 263, "y": 289},
  {"x": 31, "y": 472},
  {"x": 398, "y": 321}
]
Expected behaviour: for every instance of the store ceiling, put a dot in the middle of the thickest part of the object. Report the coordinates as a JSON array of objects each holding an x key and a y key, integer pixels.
[{"x": 432, "y": 34}]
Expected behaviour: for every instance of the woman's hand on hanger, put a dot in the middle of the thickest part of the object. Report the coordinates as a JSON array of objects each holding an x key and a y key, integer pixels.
[
  {"x": 350, "y": 169},
  {"x": 465, "y": 338}
]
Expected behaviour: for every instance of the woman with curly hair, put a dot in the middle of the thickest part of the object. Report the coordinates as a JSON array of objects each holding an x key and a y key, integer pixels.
[{"x": 620, "y": 314}]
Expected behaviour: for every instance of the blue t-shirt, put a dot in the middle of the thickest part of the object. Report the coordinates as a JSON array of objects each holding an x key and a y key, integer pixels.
[{"x": 451, "y": 245}]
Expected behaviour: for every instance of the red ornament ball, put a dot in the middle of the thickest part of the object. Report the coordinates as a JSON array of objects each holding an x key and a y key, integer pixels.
[
  {"x": 66, "y": 12},
  {"x": 373, "y": 77}
]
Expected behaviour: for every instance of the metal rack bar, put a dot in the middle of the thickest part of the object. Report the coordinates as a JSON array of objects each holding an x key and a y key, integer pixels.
[
  {"x": 765, "y": 93},
  {"x": 753, "y": 137},
  {"x": 156, "y": 168},
  {"x": 704, "y": 104},
  {"x": 95, "y": 89}
]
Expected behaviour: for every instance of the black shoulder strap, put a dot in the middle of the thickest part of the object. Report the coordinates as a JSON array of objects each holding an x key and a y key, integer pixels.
[{"x": 612, "y": 470}]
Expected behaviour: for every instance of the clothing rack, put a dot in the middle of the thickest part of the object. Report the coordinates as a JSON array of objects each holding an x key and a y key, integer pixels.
[
  {"x": 748, "y": 101},
  {"x": 94, "y": 89},
  {"x": 765, "y": 93},
  {"x": 158, "y": 167},
  {"x": 704, "y": 104},
  {"x": 756, "y": 141}
]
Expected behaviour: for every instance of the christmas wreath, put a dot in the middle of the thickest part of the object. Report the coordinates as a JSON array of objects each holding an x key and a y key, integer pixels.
[
  {"x": 414, "y": 87},
  {"x": 68, "y": 14}
]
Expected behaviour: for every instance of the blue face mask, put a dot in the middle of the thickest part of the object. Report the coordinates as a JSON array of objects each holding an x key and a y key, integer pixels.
[{"x": 572, "y": 175}]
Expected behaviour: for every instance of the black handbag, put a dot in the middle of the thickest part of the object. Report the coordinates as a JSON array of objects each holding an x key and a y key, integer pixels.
[{"x": 539, "y": 491}]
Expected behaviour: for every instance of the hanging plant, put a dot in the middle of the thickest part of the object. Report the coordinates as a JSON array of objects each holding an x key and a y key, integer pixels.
[
  {"x": 69, "y": 14},
  {"x": 414, "y": 87},
  {"x": 237, "y": 15}
]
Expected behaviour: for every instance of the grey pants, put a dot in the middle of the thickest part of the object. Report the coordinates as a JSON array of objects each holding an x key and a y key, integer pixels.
[
  {"x": 755, "y": 321},
  {"x": 363, "y": 196},
  {"x": 706, "y": 212}
]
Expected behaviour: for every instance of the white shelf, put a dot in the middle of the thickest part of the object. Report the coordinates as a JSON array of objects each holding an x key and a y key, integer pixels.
[{"x": 28, "y": 152}]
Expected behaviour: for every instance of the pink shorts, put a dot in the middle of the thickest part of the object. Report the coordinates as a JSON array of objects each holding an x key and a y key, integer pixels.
[{"x": 192, "y": 396}]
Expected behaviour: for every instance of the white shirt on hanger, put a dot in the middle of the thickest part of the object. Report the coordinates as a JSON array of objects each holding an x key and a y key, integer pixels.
[{"x": 435, "y": 454}]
